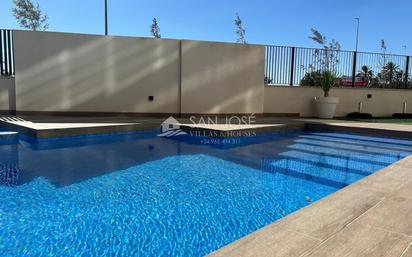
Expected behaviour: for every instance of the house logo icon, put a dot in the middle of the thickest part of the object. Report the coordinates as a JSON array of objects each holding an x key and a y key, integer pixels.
[{"x": 171, "y": 128}]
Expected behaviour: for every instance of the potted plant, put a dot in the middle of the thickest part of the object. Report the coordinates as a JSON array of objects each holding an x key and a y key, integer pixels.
[{"x": 326, "y": 106}]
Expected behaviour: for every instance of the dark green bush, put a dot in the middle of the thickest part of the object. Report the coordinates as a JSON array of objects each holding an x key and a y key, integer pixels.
[{"x": 313, "y": 79}]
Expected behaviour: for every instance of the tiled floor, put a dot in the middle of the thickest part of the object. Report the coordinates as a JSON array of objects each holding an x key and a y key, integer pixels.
[{"x": 385, "y": 129}]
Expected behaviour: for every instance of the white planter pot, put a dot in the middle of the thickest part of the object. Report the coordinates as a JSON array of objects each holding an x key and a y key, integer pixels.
[{"x": 326, "y": 106}]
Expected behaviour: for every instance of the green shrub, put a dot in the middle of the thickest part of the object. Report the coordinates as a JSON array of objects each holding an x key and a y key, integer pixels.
[{"x": 312, "y": 79}]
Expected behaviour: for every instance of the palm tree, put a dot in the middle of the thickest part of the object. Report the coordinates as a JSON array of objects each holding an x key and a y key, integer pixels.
[
  {"x": 390, "y": 72},
  {"x": 366, "y": 73}
]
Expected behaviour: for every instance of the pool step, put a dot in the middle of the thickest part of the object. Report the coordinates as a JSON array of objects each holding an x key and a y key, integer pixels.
[
  {"x": 269, "y": 167},
  {"x": 9, "y": 138},
  {"x": 331, "y": 151},
  {"x": 337, "y": 175},
  {"x": 364, "y": 148},
  {"x": 365, "y": 139},
  {"x": 384, "y": 144},
  {"x": 342, "y": 163}
]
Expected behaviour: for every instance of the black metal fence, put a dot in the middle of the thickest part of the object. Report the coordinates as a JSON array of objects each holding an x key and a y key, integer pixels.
[
  {"x": 297, "y": 66},
  {"x": 6, "y": 53}
]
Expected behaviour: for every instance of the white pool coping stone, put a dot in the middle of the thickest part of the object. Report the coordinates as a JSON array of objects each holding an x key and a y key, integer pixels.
[{"x": 42, "y": 130}]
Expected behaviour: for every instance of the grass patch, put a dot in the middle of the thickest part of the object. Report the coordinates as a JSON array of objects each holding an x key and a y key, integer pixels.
[{"x": 386, "y": 120}]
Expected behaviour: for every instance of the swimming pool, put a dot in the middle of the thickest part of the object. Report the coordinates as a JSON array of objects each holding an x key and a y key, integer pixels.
[{"x": 141, "y": 195}]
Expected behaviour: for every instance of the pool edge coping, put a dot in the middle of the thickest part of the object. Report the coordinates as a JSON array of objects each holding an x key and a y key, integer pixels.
[{"x": 292, "y": 125}]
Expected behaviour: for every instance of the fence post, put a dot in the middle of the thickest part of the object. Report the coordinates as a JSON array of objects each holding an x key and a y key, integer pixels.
[
  {"x": 292, "y": 66},
  {"x": 407, "y": 71},
  {"x": 180, "y": 76},
  {"x": 6, "y": 61},
  {"x": 354, "y": 68},
  {"x": 1, "y": 52},
  {"x": 12, "y": 54},
  {"x": 9, "y": 49}
]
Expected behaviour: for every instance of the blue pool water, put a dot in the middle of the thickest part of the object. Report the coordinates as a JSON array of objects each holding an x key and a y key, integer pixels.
[{"x": 141, "y": 195}]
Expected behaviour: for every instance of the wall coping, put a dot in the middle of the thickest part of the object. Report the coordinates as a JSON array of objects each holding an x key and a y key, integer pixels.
[{"x": 339, "y": 88}]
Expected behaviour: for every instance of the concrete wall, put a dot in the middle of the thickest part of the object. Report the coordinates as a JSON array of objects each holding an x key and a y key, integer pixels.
[
  {"x": 299, "y": 100},
  {"x": 91, "y": 73},
  {"x": 222, "y": 78},
  {"x": 7, "y": 94}
]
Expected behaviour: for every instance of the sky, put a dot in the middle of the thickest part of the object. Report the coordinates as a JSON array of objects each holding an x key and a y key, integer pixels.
[{"x": 274, "y": 22}]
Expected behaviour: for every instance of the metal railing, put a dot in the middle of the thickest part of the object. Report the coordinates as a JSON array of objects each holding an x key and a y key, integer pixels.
[
  {"x": 6, "y": 53},
  {"x": 297, "y": 66}
]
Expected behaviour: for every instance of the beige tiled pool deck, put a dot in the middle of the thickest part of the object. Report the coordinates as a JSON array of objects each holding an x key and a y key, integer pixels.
[
  {"x": 57, "y": 126},
  {"x": 384, "y": 129},
  {"x": 41, "y": 127},
  {"x": 372, "y": 217},
  {"x": 369, "y": 125}
]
